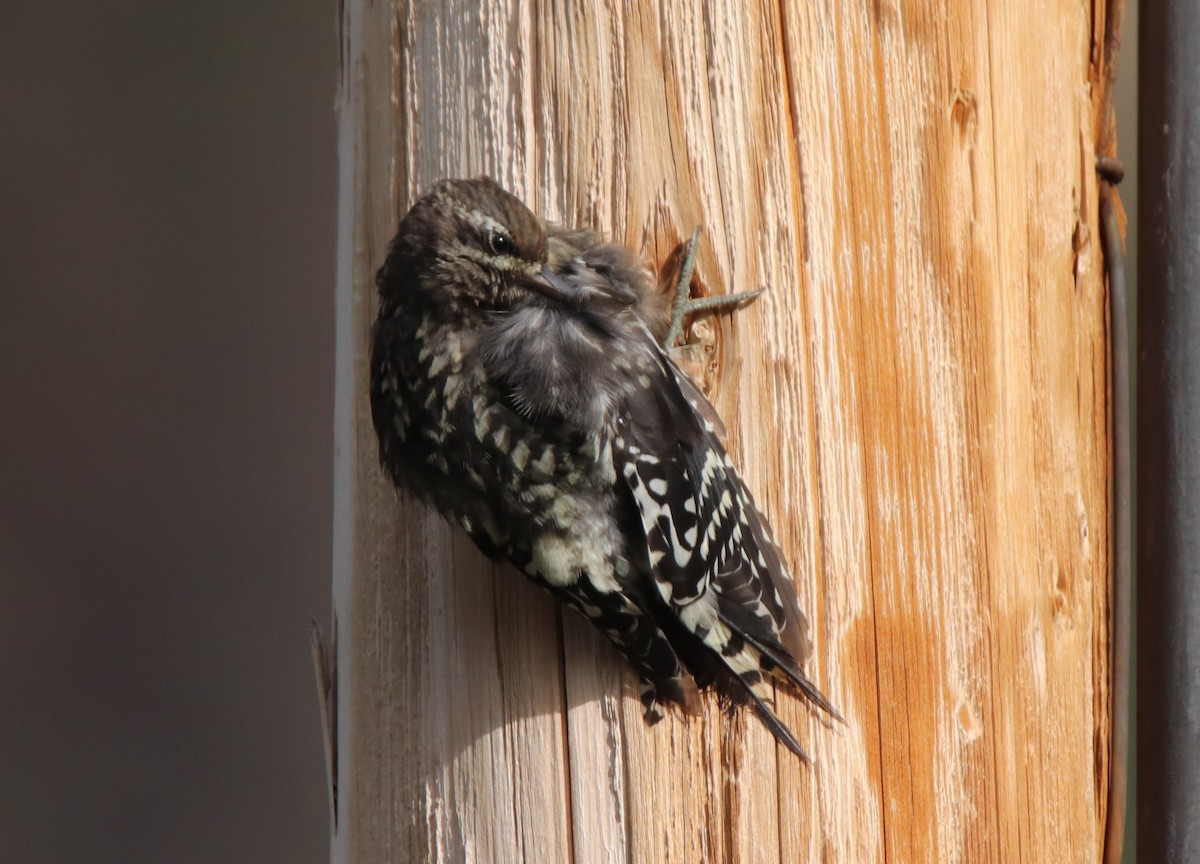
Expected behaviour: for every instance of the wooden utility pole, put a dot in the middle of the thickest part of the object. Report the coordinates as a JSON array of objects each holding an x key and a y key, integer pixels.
[{"x": 920, "y": 401}]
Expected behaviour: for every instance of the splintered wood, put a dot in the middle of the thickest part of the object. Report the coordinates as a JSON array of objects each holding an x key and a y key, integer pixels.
[{"x": 919, "y": 401}]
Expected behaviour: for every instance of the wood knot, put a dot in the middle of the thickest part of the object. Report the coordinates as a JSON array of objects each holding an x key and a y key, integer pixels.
[{"x": 963, "y": 112}]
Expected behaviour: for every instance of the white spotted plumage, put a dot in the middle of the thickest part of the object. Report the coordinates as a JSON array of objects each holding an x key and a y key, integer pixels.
[{"x": 517, "y": 386}]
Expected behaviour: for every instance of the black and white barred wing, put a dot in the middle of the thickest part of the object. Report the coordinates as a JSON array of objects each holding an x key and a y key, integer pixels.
[{"x": 711, "y": 553}]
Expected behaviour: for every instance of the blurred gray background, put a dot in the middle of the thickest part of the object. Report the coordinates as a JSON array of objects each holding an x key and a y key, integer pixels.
[{"x": 167, "y": 217}]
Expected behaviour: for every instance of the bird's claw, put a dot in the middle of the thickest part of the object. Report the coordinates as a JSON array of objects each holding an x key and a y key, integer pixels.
[{"x": 684, "y": 305}]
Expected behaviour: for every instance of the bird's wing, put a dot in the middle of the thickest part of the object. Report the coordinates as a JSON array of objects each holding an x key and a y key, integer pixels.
[{"x": 712, "y": 555}]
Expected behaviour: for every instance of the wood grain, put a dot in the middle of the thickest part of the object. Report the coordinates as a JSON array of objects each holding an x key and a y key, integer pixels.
[{"x": 920, "y": 401}]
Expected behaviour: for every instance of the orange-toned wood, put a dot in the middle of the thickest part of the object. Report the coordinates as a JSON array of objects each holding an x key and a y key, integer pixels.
[{"x": 919, "y": 400}]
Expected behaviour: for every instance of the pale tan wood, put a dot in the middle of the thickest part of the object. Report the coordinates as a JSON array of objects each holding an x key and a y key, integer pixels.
[{"x": 920, "y": 401}]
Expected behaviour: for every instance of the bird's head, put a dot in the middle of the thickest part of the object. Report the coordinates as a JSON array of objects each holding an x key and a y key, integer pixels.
[{"x": 472, "y": 247}]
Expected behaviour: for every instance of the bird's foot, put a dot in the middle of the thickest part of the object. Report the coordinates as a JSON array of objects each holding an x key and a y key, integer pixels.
[{"x": 684, "y": 305}]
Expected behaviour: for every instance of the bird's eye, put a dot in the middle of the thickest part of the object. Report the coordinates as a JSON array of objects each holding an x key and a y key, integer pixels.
[{"x": 501, "y": 243}]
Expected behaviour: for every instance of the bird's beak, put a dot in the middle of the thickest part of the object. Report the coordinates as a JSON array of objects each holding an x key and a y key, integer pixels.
[{"x": 551, "y": 286}]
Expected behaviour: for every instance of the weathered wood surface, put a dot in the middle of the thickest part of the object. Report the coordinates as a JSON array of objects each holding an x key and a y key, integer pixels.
[{"x": 919, "y": 400}]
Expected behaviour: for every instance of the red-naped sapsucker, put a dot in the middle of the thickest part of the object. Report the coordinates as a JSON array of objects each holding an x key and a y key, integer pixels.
[{"x": 518, "y": 385}]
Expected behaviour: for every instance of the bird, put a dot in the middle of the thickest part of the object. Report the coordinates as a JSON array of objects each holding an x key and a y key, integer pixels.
[{"x": 520, "y": 384}]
